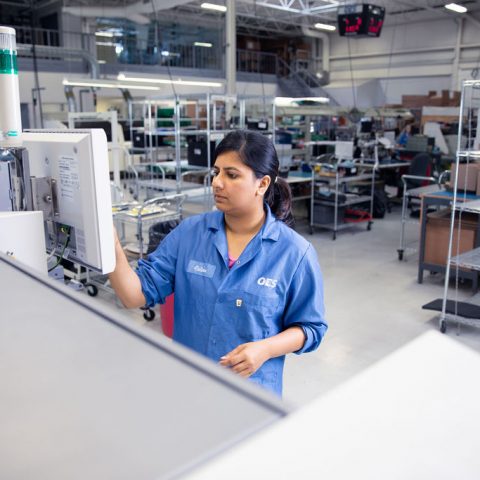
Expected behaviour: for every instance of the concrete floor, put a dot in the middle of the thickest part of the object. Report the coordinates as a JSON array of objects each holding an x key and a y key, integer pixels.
[{"x": 373, "y": 305}]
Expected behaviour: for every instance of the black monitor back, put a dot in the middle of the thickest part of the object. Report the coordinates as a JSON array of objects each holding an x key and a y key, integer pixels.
[
  {"x": 143, "y": 140},
  {"x": 125, "y": 124},
  {"x": 198, "y": 155}
]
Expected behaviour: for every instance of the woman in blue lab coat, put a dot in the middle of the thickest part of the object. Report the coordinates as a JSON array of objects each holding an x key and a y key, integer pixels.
[{"x": 248, "y": 288}]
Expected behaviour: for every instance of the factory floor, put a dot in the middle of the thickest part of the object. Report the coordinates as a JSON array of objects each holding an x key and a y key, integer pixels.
[{"x": 373, "y": 305}]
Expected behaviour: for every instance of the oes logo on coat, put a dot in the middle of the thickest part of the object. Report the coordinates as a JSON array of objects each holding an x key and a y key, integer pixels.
[{"x": 267, "y": 282}]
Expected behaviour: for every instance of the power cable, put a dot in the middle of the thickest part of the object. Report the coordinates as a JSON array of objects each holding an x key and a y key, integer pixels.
[
  {"x": 387, "y": 83},
  {"x": 351, "y": 74}
]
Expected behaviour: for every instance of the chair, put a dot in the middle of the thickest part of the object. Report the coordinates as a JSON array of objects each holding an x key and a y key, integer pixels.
[{"x": 420, "y": 171}]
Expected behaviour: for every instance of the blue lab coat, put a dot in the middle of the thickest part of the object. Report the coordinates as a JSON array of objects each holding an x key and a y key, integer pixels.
[{"x": 276, "y": 283}]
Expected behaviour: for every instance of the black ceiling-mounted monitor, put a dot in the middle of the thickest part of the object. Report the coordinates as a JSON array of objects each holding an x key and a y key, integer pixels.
[{"x": 360, "y": 20}]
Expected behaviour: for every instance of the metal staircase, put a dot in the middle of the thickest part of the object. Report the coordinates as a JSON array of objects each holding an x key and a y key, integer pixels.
[{"x": 300, "y": 83}]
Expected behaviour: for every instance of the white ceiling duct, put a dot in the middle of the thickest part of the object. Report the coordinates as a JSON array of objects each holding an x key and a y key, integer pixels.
[{"x": 137, "y": 12}]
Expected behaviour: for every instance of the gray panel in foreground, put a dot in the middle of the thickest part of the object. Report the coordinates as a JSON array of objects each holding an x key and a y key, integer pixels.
[{"x": 86, "y": 394}]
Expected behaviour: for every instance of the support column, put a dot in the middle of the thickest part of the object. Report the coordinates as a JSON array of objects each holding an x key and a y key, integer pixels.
[
  {"x": 456, "y": 60},
  {"x": 230, "y": 55}
]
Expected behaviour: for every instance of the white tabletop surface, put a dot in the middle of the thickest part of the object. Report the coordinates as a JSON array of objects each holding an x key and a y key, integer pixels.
[{"x": 414, "y": 415}]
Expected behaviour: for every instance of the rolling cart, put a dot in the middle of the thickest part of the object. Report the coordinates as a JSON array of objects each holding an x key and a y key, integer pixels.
[{"x": 140, "y": 217}]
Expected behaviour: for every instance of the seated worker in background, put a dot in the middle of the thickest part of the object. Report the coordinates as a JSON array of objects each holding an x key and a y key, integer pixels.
[
  {"x": 404, "y": 134},
  {"x": 248, "y": 289}
]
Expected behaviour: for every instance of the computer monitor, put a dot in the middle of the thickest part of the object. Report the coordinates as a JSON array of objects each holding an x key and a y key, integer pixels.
[
  {"x": 89, "y": 124},
  {"x": 366, "y": 126},
  {"x": 125, "y": 124},
  {"x": 257, "y": 124},
  {"x": 80, "y": 228},
  {"x": 198, "y": 155},
  {"x": 145, "y": 140}
]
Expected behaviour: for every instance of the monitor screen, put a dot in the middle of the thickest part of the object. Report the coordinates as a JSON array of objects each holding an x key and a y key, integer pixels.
[
  {"x": 366, "y": 126},
  {"x": 76, "y": 161},
  {"x": 105, "y": 125},
  {"x": 257, "y": 124}
]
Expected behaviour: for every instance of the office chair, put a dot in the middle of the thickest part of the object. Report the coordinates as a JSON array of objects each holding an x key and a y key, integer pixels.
[{"x": 420, "y": 171}]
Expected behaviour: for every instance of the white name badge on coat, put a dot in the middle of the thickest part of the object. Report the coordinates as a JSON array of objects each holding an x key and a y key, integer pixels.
[{"x": 200, "y": 268}]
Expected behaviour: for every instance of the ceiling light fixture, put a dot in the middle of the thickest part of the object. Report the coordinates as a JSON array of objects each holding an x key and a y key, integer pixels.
[
  {"x": 456, "y": 8},
  {"x": 291, "y": 101},
  {"x": 106, "y": 84},
  {"x": 104, "y": 34},
  {"x": 179, "y": 81},
  {"x": 203, "y": 44},
  {"x": 214, "y": 6},
  {"x": 325, "y": 26}
]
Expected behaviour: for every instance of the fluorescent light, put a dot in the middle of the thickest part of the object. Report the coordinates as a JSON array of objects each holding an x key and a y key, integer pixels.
[
  {"x": 105, "y": 84},
  {"x": 280, "y": 7},
  {"x": 456, "y": 8},
  {"x": 203, "y": 44},
  {"x": 179, "y": 81},
  {"x": 214, "y": 6},
  {"x": 325, "y": 26},
  {"x": 291, "y": 101},
  {"x": 165, "y": 53},
  {"x": 101, "y": 61},
  {"x": 106, "y": 44},
  {"x": 104, "y": 34}
]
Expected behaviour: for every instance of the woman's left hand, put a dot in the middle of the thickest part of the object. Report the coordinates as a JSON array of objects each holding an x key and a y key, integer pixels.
[{"x": 247, "y": 358}]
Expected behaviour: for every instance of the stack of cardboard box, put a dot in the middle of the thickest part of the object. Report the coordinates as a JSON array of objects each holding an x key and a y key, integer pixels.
[
  {"x": 468, "y": 177},
  {"x": 432, "y": 99},
  {"x": 438, "y": 233}
]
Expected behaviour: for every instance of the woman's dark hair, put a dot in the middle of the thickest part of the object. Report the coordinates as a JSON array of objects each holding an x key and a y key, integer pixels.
[{"x": 257, "y": 152}]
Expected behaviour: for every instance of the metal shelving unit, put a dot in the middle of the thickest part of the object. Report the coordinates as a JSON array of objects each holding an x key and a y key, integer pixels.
[
  {"x": 469, "y": 110},
  {"x": 209, "y": 116}
]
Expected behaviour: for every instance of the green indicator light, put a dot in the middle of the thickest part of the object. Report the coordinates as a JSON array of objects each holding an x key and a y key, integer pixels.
[{"x": 8, "y": 62}]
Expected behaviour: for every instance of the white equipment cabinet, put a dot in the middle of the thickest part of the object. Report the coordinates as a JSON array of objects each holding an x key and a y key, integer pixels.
[{"x": 87, "y": 394}]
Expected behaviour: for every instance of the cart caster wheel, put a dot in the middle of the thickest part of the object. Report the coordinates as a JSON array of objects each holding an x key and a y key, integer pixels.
[
  {"x": 334, "y": 237},
  {"x": 149, "y": 315},
  {"x": 400, "y": 255},
  {"x": 443, "y": 327},
  {"x": 369, "y": 226},
  {"x": 92, "y": 290},
  {"x": 131, "y": 191},
  {"x": 311, "y": 230}
]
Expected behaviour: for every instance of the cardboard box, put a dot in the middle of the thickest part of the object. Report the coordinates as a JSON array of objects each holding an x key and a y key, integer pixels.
[
  {"x": 467, "y": 178},
  {"x": 438, "y": 233},
  {"x": 477, "y": 192}
]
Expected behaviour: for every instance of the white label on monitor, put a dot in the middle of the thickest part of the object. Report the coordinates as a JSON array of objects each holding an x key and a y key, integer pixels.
[
  {"x": 68, "y": 171},
  {"x": 262, "y": 125},
  {"x": 197, "y": 151}
]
